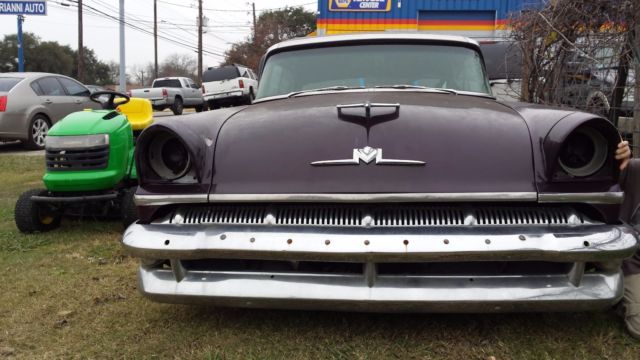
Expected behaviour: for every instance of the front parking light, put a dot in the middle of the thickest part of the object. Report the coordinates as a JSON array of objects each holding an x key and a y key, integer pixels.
[{"x": 76, "y": 141}]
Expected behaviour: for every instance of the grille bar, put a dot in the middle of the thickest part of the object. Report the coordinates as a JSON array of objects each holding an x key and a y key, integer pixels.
[
  {"x": 375, "y": 216},
  {"x": 70, "y": 160}
]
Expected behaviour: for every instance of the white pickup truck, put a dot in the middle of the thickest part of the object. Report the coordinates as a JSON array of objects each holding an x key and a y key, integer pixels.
[
  {"x": 175, "y": 93},
  {"x": 229, "y": 85}
]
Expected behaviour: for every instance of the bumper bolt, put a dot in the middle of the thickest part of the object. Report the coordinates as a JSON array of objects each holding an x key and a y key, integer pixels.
[
  {"x": 366, "y": 242},
  {"x": 327, "y": 242},
  {"x": 446, "y": 241},
  {"x": 522, "y": 237},
  {"x": 487, "y": 241},
  {"x": 223, "y": 236}
]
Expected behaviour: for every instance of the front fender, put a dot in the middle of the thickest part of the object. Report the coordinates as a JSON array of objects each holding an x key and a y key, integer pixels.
[
  {"x": 199, "y": 133},
  {"x": 563, "y": 128}
]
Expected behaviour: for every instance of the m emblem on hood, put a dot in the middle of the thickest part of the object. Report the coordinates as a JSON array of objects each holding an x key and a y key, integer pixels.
[{"x": 367, "y": 155}]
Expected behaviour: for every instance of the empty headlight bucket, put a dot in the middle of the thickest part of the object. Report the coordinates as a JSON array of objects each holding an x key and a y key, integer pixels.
[
  {"x": 584, "y": 152},
  {"x": 76, "y": 141},
  {"x": 168, "y": 156}
]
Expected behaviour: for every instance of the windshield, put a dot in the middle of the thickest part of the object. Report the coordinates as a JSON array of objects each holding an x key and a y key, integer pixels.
[
  {"x": 219, "y": 74},
  {"x": 168, "y": 83},
  {"x": 436, "y": 66},
  {"x": 7, "y": 83}
]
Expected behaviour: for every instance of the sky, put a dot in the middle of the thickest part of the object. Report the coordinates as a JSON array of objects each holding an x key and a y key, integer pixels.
[{"x": 228, "y": 22}]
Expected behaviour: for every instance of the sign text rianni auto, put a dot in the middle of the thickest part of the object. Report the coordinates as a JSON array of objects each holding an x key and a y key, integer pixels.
[
  {"x": 359, "y": 5},
  {"x": 38, "y": 7}
]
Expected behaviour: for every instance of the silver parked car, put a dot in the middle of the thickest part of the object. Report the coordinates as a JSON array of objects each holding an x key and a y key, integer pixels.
[{"x": 30, "y": 103}]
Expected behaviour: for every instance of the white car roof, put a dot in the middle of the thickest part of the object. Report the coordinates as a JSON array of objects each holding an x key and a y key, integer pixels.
[{"x": 371, "y": 36}]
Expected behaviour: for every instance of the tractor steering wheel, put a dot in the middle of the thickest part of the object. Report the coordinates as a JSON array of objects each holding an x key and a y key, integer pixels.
[{"x": 109, "y": 104}]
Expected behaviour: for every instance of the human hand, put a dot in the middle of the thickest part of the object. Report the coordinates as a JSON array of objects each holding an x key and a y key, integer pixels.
[{"x": 623, "y": 153}]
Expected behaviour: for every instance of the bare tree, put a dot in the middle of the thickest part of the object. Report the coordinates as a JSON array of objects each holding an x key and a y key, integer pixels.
[
  {"x": 577, "y": 53},
  {"x": 178, "y": 65}
]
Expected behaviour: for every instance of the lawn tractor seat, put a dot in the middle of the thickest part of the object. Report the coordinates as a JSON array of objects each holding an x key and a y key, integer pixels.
[{"x": 139, "y": 113}]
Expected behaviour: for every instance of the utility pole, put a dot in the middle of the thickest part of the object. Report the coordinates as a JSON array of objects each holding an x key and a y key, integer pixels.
[
  {"x": 123, "y": 70},
  {"x": 636, "y": 56},
  {"x": 155, "y": 38},
  {"x": 255, "y": 34},
  {"x": 80, "y": 45},
  {"x": 20, "y": 44},
  {"x": 199, "y": 42}
]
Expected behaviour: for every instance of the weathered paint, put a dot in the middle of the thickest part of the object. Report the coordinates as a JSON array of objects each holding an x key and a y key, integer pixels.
[{"x": 466, "y": 17}]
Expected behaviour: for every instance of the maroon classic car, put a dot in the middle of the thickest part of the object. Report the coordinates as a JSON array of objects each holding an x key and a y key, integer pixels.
[{"x": 378, "y": 173}]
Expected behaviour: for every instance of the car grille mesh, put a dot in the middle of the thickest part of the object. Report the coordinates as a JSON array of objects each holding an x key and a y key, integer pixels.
[
  {"x": 95, "y": 158},
  {"x": 375, "y": 216}
]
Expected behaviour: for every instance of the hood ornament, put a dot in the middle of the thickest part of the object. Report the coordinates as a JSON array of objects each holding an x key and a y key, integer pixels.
[{"x": 367, "y": 155}]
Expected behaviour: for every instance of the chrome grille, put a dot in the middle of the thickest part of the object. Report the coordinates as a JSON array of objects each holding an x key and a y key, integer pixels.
[
  {"x": 375, "y": 216},
  {"x": 95, "y": 158}
]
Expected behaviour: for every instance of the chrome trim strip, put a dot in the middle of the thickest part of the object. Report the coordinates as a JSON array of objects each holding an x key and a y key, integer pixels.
[
  {"x": 387, "y": 294},
  {"x": 549, "y": 243},
  {"x": 156, "y": 200},
  {"x": 367, "y": 155},
  {"x": 377, "y": 197},
  {"x": 371, "y": 90},
  {"x": 589, "y": 198}
]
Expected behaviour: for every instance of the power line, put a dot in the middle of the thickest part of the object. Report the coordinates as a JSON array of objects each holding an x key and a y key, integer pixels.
[
  {"x": 167, "y": 36},
  {"x": 102, "y": 14},
  {"x": 237, "y": 10},
  {"x": 166, "y": 33}
]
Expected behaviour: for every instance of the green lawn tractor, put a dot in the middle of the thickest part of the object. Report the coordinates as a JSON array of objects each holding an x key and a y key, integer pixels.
[{"x": 89, "y": 165}]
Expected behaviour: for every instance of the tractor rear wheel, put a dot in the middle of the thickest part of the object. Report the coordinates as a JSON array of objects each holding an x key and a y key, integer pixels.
[{"x": 33, "y": 217}]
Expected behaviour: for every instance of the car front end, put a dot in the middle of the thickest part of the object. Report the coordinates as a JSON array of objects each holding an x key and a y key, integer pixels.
[{"x": 374, "y": 197}]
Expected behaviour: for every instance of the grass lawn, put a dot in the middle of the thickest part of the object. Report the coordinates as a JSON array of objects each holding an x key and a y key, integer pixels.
[{"x": 71, "y": 293}]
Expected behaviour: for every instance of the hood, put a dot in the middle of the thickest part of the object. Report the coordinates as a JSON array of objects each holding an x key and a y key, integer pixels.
[
  {"x": 88, "y": 122},
  {"x": 467, "y": 144}
]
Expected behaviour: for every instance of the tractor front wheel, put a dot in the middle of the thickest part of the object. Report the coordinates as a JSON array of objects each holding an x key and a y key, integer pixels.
[{"x": 33, "y": 217}]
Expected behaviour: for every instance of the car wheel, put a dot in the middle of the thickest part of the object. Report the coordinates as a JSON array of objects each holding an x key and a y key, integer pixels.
[
  {"x": 213, "y": 105},
  {"x": 33, "y": 217},
  {"x": 597, "y": 103},
  {"x": 177, "y": 106},
  {"x": 598, "y": 107},
  {"x": 201, "y": 108},
  {"x": 250, "y": 97},
  {"x": 38, "y": 129},
  {"x": 128, "y": 208}
]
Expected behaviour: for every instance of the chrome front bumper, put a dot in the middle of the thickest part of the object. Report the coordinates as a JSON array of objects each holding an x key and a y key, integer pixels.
[{"x": 372, "y": 290}]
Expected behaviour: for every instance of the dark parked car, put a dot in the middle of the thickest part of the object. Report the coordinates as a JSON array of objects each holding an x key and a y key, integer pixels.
[
  {"x": 503, "y": 61},
  {"x": 586, "y": 84},
  {"x": 378, "y": 172}
]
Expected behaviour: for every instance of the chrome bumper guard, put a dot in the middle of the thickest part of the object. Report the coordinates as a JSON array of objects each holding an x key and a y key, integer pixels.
[{"x": 373, "y": 291}]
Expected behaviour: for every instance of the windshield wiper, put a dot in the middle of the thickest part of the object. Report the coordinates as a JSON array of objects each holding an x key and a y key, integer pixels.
[
  {"x": 406, "y": 86},
  {"x": 329, "y": 88}
]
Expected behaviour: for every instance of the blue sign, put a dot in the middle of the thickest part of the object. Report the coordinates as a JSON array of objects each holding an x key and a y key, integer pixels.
[
  {"x": 38, "y": 7},
  {"x": 359, "y": 5}
]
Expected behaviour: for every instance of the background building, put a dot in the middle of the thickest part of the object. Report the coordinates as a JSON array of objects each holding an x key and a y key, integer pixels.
[{"x": 476, "y": 18}]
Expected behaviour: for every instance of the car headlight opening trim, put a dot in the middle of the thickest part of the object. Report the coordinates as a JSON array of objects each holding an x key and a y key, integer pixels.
[
  {"x": 168, "y": 157},
  {"x": 584, "y": 152}
]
